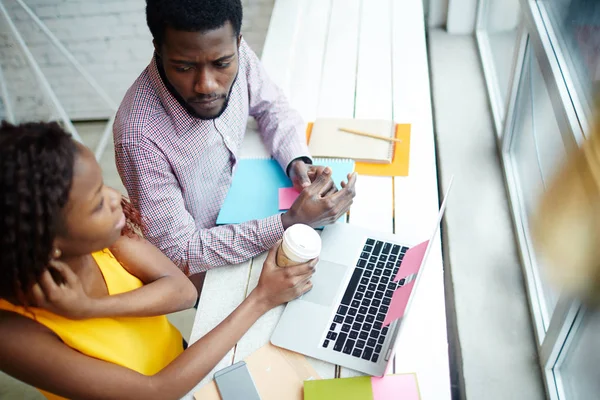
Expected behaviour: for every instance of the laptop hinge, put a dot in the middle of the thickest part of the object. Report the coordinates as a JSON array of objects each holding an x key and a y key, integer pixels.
[{"x": 388, "y": 354}]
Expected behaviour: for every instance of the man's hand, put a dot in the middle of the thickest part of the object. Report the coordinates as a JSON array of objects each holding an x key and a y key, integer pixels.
[
  {"x": 317, "y": 205},
  {"x": 68, "y": 299},
  {"x": 302, "y": 175}
]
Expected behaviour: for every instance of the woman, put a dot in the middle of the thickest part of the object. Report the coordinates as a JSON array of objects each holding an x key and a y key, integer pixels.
[{"x": 83, "y": 298}]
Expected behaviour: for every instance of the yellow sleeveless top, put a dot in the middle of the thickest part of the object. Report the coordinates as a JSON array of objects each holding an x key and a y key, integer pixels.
[{"x": 145, "y": 345}]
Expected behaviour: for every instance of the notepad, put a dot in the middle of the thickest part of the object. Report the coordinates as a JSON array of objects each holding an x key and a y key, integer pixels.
[
  {"x": 400, "y": 161},
  {"x": 287, "y": 197},
  {"x": 389, "y": 387},
  {"x": 254, "y": 191},
  {"x": 328, "y": 141}
]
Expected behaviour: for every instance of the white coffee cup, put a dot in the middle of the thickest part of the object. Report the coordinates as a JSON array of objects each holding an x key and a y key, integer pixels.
[{"x": 300, "y": 244}]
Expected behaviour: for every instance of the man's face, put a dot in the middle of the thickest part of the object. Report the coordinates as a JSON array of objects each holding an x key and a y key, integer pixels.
[{"x": 202, "y": 67}]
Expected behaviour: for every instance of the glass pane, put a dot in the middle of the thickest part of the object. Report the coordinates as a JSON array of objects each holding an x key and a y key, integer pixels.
[
  {"x": 577, "y": 23},
  {"x": 537, "y": 150},
  {"x": 578, "y": 368},
  {"x": 501, "y": 23}
]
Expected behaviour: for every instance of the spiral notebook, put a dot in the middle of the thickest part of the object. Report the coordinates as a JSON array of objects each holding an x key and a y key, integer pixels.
[
  {"x": 254, "y": 192},
  {"x": 327, "y": 140}
]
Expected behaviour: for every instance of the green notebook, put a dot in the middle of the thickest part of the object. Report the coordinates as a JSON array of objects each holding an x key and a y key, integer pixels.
[
  {"x": 358, "y": 388},
  {"x": 389, "y": 387}
]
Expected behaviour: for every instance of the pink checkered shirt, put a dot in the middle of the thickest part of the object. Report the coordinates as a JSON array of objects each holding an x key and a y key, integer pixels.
[{"x": 177, "y": 168}]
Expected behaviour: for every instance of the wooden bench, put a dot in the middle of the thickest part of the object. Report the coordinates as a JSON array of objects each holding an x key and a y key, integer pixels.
[{"x": 362, "y": 59}]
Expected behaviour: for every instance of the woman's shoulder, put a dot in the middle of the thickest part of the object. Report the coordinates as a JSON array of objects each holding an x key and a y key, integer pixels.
[
  {"x": 13, "y": 323},
  {"x": 126, "y": 247}
]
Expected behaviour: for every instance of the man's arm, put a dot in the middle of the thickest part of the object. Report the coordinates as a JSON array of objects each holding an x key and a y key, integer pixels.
[
  {"x": 155, "y": 191},
  {"x": 281, "y": 127}
]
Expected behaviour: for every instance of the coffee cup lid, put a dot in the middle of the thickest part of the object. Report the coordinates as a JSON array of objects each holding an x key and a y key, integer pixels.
[{"x": 303, "y": 241}]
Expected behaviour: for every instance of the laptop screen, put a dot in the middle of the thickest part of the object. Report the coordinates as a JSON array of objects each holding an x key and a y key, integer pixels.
[{"x": 410, "y": 270}]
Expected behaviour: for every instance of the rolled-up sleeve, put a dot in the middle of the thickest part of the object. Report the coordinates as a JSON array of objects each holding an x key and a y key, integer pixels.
[{"x": 155, "y": 191}]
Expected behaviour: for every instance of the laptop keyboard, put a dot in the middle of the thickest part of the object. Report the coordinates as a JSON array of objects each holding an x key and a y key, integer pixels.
[{"x": 357, "y": 327}]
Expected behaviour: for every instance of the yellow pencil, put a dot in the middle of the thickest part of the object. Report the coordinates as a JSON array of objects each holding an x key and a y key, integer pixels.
[{"x": 371, "y": 135}]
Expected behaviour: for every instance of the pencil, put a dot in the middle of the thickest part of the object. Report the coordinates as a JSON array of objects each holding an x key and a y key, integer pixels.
[{"x": 371, "y": 135}]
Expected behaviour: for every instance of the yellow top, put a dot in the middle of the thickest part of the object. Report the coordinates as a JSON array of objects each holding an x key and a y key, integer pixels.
[{"x": 145, "y": 345}]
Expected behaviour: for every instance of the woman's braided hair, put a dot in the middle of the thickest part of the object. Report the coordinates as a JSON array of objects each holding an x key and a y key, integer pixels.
[{"x": 36, "y": 173}]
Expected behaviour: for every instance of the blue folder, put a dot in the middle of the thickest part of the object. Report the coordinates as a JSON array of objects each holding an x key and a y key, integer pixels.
[{"x": 254, "y": 192}]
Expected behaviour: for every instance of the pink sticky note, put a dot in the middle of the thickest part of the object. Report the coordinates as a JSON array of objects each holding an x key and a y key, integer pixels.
[
  {"x": 398, "y": 303},
  {"x": 287, "y": 196},
  {"x": 394, "y": 387},
  {"x": 412, "y": 261}
]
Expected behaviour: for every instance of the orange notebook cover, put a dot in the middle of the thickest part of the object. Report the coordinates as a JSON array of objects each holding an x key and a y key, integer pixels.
[
  {"x": 399, "y": 164},
  {"x": 279, "y": 374}
]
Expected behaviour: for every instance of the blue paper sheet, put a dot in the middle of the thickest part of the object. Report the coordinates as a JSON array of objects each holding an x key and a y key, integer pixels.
[{"x": 254, "y": 192}]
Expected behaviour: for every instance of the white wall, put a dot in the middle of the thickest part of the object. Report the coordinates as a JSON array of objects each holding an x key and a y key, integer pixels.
[
  {"x": 502, "y": 15},
  {"x": 437, "y": 12},
  {"x": 499, "y": 15},
  {"x": 109, "y": 38},
  {"x": 25, "y": 94},
  {"x": 462, "y": 15}
]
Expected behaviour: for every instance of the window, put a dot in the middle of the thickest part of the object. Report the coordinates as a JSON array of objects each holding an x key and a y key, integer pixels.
[
  {"x": 497, "y": 35},
  {"x": 577, "y": 26},
  {"x": 535, "y": 149},
  {"x": 576, "y": 370},
  {"x": 542, "y": 107}
]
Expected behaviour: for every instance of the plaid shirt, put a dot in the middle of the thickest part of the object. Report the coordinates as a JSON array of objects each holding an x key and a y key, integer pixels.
[{"x": 177, "y": 169}]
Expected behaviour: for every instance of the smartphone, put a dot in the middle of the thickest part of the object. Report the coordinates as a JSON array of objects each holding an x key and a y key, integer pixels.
[{"x": 236, "y": 383}]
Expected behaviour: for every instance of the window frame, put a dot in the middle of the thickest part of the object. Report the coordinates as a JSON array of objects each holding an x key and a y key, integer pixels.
[
  {"x": 581, "y": 104},
  {"x": 498, "y": 106},
  {"x": 553, "y": 331}
]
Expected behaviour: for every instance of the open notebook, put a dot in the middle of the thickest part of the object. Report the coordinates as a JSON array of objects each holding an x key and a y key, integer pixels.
[
  {"x": 326, "y": 140},
  {"x": 254, "y": 192}
]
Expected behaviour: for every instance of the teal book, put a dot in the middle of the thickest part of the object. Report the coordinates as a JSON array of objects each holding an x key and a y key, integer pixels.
[{"x": 254, "y": 192}]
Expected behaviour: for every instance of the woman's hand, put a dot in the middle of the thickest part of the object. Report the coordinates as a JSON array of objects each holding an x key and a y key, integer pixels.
[
  {"x": 278, "y": 285},
  {"x": 67, "y": 298}
]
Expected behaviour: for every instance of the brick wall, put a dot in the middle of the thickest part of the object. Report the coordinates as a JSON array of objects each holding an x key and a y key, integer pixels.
[
  {"x": 26, "y": 96},
  {"x": 109, "y": 38}
]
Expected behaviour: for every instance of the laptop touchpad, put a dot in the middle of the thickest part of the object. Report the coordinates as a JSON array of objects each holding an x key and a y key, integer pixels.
[{"x": 326, "y": 283}]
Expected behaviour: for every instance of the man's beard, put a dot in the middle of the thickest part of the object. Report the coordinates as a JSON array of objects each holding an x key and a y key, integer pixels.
[
  {"x": 193, "y": 112},
  {"x": 182, "y": 101}
]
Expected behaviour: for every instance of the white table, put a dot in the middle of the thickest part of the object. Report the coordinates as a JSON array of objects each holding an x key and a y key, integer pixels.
[{"x": 362, "y": 59}]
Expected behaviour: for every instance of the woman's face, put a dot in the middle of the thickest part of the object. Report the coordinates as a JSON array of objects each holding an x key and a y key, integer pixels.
[{"x": 92, "y": 218}]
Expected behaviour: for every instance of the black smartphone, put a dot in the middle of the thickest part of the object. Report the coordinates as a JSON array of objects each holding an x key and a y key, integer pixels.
[{"x": 236, "y": 383}]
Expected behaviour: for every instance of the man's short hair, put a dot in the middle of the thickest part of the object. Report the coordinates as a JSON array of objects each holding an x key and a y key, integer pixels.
[{"x": 192, "y": 16}]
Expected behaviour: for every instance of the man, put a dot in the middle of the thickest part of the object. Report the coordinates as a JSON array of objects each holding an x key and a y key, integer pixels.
[{"x": 179, "y": 130}]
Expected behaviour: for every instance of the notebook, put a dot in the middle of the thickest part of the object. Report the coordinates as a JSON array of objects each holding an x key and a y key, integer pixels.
[
  {"x": 400, "y": 161},
  {"x": 389, "y": 387},
  {"x": 328, "y": 141},
  {"x": 278, "y": 374},
  {"x": 254, "y": 191}
]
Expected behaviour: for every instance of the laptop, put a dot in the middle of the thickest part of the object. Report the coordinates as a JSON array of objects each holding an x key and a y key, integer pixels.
[{"x": 341, "y": 320}]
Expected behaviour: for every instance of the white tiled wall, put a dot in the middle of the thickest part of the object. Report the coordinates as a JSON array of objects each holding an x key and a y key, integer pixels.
[{"x": 109, "y": 38}]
